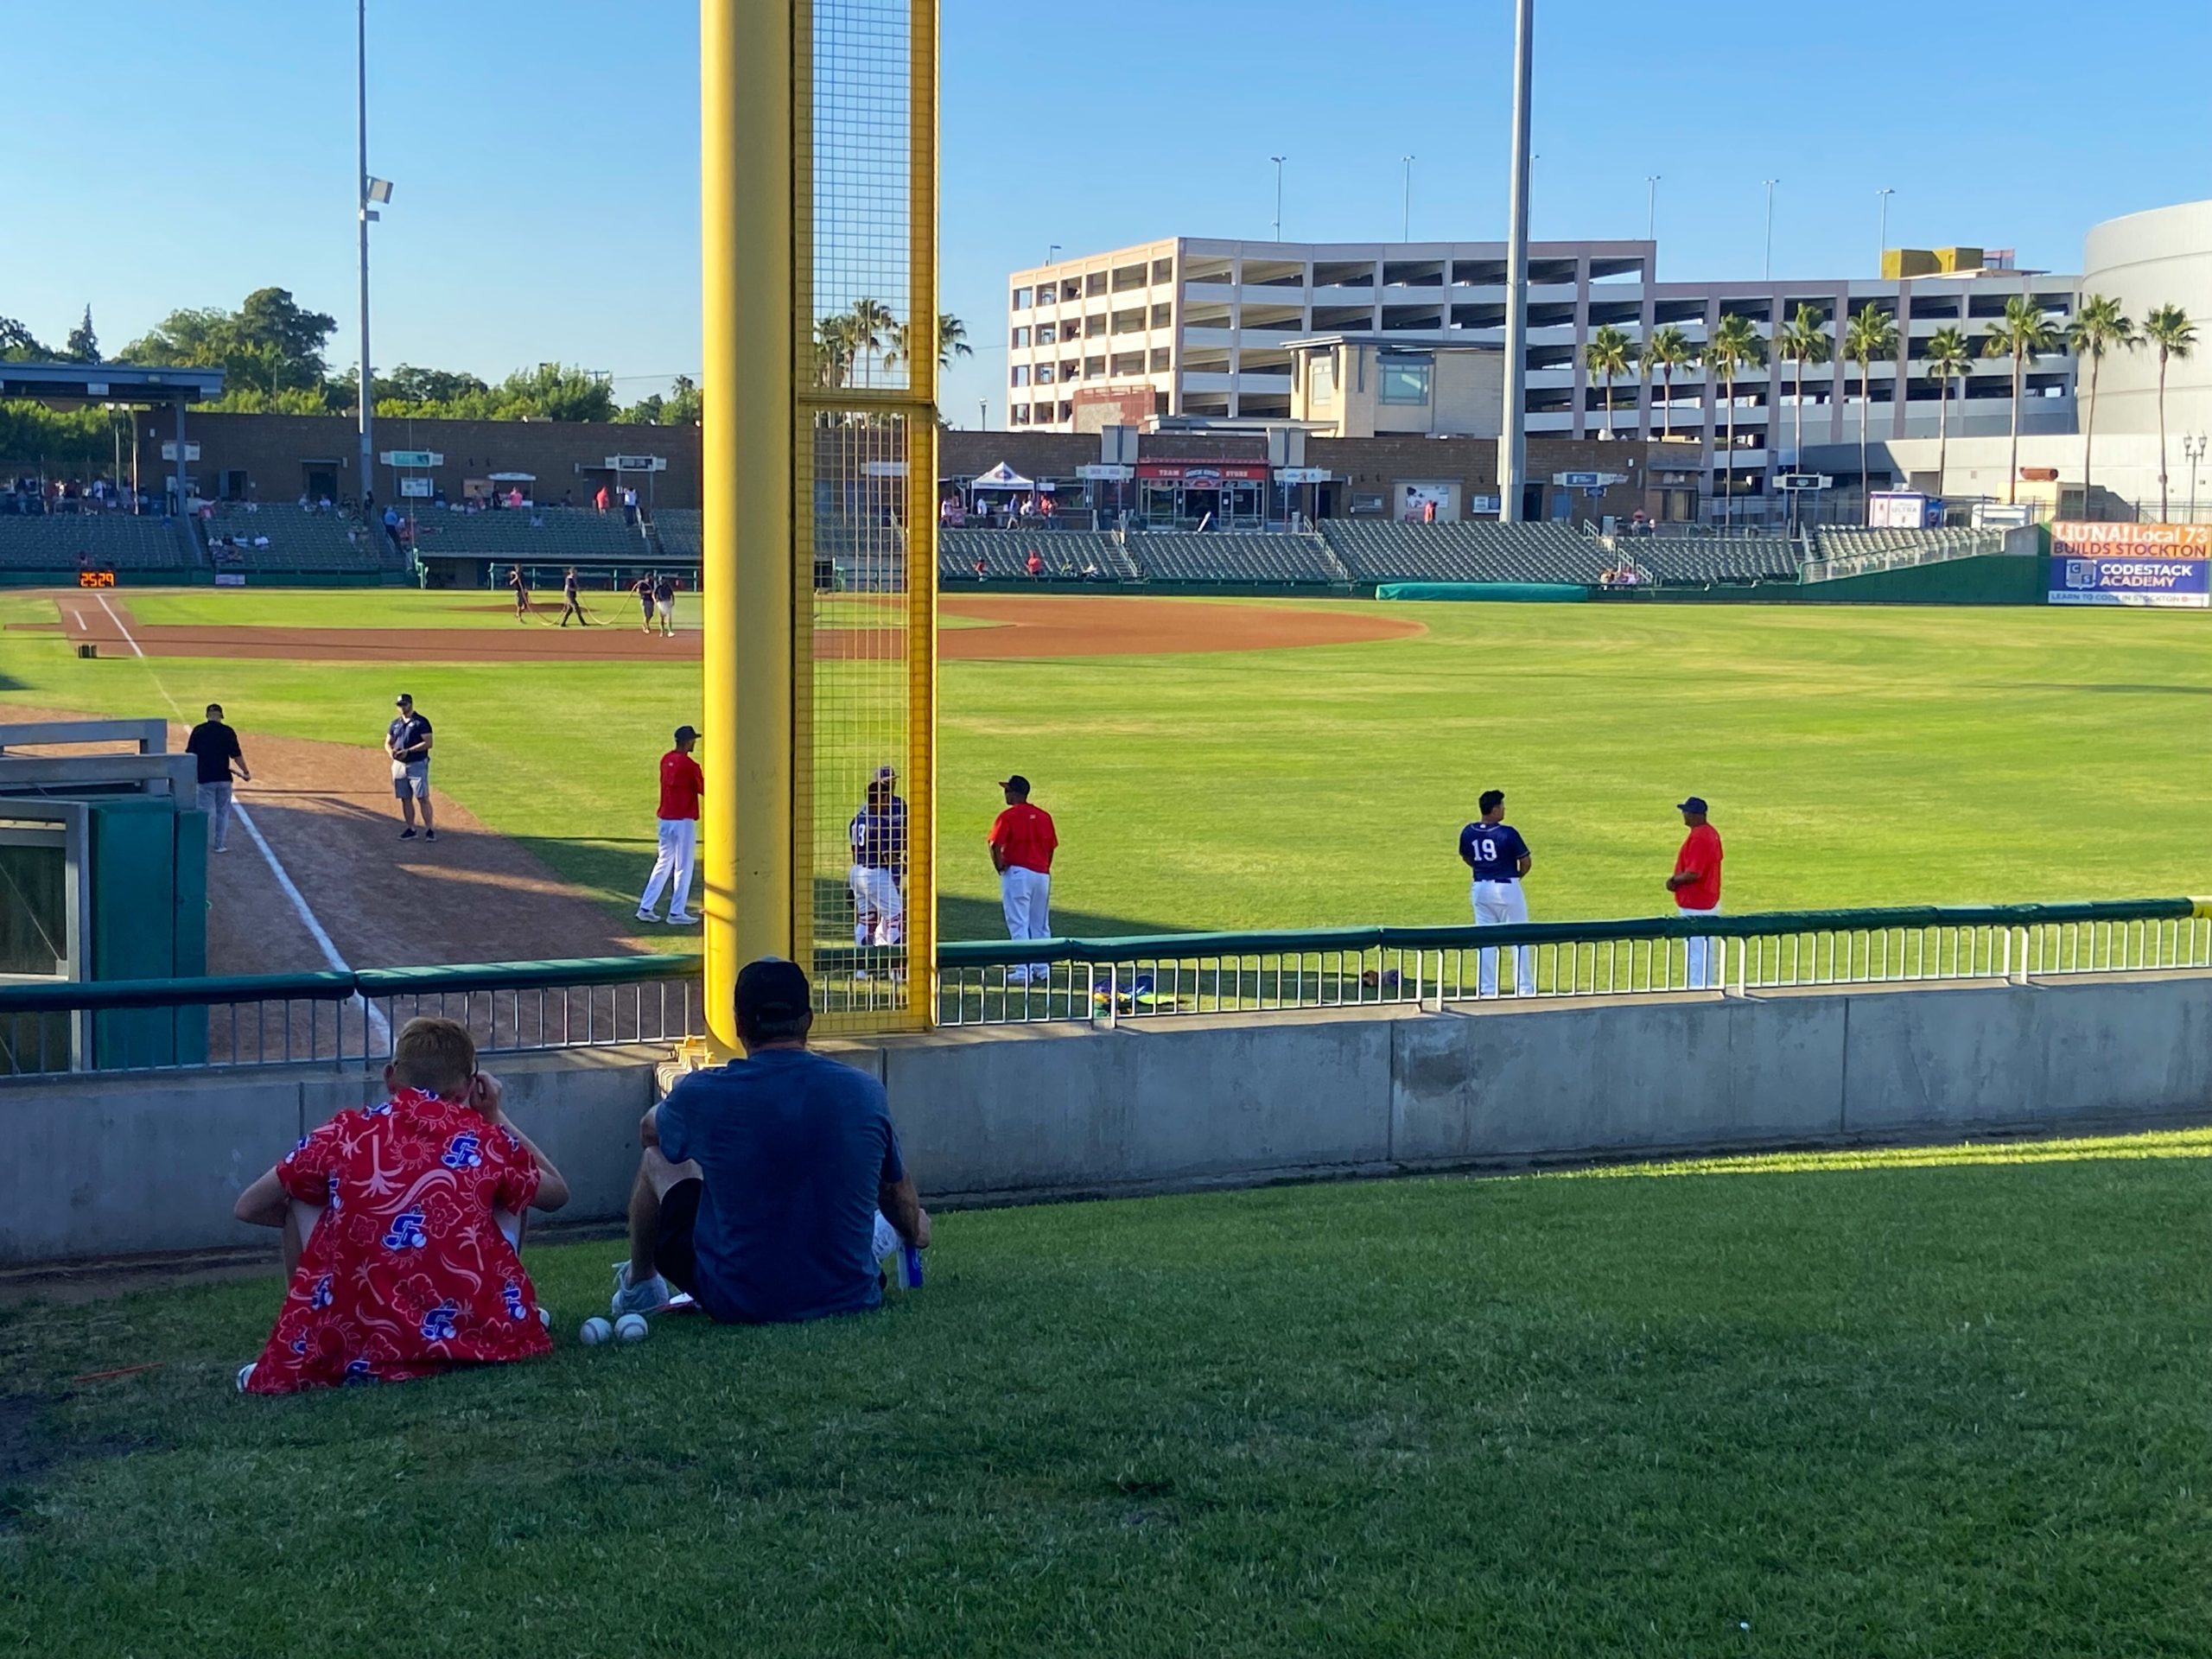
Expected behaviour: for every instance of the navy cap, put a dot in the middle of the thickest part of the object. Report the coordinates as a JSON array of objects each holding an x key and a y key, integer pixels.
[
  {"x": 683, "y": 732},
  {"x": 1018, "y": 784},
  {"x": 772, "y": 991},
  {"x": 1695, "y": 803}
]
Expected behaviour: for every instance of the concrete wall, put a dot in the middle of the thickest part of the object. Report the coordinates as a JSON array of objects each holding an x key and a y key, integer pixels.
[{"x": 109, "y": 1167}]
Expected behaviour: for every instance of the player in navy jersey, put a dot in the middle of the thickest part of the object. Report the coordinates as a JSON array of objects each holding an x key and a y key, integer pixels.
[{"x": 1494, "y": 851}]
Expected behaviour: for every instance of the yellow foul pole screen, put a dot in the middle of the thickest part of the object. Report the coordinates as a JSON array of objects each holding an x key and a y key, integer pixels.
[{"x": 819, "y": 128}]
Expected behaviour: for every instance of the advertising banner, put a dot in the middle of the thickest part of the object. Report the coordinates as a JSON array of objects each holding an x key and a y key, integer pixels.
[{"x": 2159, "y": 566}]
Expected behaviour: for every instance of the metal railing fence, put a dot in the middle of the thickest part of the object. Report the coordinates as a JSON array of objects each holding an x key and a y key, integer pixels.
[{"x": 338, "y": 1019}]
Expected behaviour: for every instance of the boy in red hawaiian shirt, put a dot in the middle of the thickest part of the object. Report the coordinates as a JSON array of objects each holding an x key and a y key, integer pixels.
[{"x": 401, "y": 1223}]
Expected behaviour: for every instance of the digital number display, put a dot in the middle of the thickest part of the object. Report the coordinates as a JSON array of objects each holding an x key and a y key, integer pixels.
[{"x": 96, "y": 578}]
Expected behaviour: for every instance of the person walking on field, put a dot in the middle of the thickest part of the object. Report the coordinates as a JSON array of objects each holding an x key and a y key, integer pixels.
[
  {"x": 521, "y": 591},
  {"x": 1494, "y": 851},
  {"x": 572, "y": 605},
  {"x": 407, "y": 741},
  {"x": 1697, "y": 886},
  {"x": 664, "y": 605},
  {"x": 214, "y": 749},
  {"x": 682, "y": 783},
  {"x": 643, "y": 587},
  {"x": 1022, "y": 843}
]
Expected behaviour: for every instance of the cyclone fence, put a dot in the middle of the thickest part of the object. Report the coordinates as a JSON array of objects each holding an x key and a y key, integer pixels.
[{"x": 48, "y": 1027}]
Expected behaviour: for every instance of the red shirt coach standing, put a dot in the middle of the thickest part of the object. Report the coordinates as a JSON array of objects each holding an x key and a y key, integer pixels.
[
  {"x": 1022, "y": 844},
  {"x": 1697, "y": 886},
  {"x": 682, "y": 783}
]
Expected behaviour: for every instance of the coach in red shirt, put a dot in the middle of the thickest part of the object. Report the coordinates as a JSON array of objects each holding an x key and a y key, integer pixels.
[
  {"x": 1022, "y": 843},
  {"x": 682, "y": 783},
  {"x": 1697, "y": 886}
]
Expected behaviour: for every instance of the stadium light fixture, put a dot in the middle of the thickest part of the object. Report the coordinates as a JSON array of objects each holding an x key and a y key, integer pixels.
[{"x": 1885, "y": 192}]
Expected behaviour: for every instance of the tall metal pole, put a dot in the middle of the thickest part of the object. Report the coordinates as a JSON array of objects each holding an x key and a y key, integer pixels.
[
  {"x": 1651, "y": 206},
  {"x": 1278, "y": 161},
  {"x": 1771, "y": 183},
  {"x": 1407, "y": 233},
  {"x": 1885, "y": 192},
  {"x": 361, "y": 190},
  {"x": 1513, "y": 441}
]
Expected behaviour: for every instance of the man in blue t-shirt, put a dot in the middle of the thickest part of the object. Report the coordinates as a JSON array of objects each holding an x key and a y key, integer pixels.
[
  {"x": 772, "y": 1189},
  {"x": 1493, "y": 849}
]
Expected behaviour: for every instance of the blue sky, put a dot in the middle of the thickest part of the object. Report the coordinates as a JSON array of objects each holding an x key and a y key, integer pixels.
[{"x": 546, "y": 151}]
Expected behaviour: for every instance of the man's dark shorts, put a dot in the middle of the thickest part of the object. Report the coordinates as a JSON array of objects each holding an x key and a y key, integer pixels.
[{"x": 672, "y": 1252}]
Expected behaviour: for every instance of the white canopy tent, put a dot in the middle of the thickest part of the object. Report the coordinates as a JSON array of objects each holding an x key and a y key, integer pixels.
[{"x": 1003, "y": 477}]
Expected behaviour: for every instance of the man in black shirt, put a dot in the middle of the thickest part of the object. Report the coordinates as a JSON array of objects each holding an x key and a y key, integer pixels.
[{"x": 214, "y": 748}]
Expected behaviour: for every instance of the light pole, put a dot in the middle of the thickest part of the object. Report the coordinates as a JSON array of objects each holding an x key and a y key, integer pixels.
[
  {"x": 2193, "y": 451},
  {"x": 1771, "y": 183},
  {"x": 361, "y": 109},
  {"x": 1513, "y": 446},
  {"x": 1278, "y": 161},
  {"x": 1885, "y": 192},
  {"x": 1651, "y": 206},
  {"x": 982, "y": 414},
  {"x": 1052, "y": 254},
  {"x": 1407, "y": 233}
]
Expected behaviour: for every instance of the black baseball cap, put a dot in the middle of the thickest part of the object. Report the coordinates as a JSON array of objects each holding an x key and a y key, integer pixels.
[
  {"x": 1018, "y": 784},
  {"x": 1695, "y": 803},
  {"x": 772, "y": 991},
  {"x": 683, "y": 732},
  {"x": 402, "y": 700}
]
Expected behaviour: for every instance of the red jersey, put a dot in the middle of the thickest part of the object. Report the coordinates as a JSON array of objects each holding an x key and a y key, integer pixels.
[
  {"x": 682, "y": 783},
  {"x": 407, "y": 1272},
  {"x": 1025, "y": 838},
  {"x": 1700, "y": 852}
]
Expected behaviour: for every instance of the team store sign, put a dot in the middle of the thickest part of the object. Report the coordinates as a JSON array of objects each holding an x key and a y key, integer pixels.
[{"x": 2161, "y": 566}]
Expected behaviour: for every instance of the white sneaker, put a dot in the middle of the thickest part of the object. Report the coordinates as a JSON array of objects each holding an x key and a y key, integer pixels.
[
  {"x": 649, "y": 1296},
  {"x": 647, "y": 916},
  {"x": 682, "y": 921}
]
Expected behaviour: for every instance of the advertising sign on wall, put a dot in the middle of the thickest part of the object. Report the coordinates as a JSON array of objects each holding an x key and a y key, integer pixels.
[{"x": 2160, "y": 566}]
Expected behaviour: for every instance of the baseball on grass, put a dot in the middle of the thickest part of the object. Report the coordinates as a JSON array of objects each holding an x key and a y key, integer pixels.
[
  {"x": 631, "y": 1328},
  {"x": 594, "y": 1332}
]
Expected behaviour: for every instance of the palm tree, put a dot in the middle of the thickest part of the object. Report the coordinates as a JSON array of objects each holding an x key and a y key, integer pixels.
[
  {"x": 2098, "y": 327},
  {"x": 1609, "y": 353},
  {"x": 2023, "y": 334},
  {"x": 2168, "y": 332},
  {"x": 1949, "y": 357},
  {"x": 1735, "y": 345},
  {"x": 951, "y": 340},
  {"x": 872, "y": 322},
  {"x": 836, "y": 349},
  {"x": 1872, "y": 333},
  {"x": 1804, "y": 342},
  {"x": 1669, "y": 349}
]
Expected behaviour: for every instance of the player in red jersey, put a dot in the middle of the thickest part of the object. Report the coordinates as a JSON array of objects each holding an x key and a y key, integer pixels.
[{"x": 1697, "y": 886}]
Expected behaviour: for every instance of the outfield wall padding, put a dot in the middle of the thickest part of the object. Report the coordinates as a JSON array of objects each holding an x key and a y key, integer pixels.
[
  {"x": 113, "y": 1165},
  {"x": 1523, "y": 592}
]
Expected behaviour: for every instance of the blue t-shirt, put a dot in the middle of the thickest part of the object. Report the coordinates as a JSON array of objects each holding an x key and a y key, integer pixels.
[
  {"x": 794, "y": 1149},
  {"x": 1493, "y": 851}
]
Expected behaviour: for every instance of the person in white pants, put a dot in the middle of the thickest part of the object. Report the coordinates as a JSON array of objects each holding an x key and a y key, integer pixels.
[
  {"x": 1697, "y": 886},
  {"x": 1022, "y": 843},
  {"x": 682, "y": 783},
  {"x": 878, "y": 835},
  {"x": 1494, "y": 851}
]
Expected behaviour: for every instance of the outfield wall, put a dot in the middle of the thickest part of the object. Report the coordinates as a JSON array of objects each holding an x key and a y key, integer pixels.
[{"x": 116, "y": 1165}]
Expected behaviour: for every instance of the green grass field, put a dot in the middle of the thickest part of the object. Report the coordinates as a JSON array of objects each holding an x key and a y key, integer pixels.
[
  {"x": 1853, "y": 756},
  {"x": 1918, "y": 1403}
]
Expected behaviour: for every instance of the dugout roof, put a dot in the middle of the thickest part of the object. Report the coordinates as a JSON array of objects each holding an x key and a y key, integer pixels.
[{"x": 109, "y": 383}]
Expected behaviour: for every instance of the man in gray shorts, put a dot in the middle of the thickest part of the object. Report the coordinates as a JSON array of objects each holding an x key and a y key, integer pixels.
[{"x": 407, "y": 741}]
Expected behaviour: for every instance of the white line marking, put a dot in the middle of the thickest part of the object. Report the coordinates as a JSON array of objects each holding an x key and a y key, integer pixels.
[
  {"x": 133, "y": 644},
  {"x": 380, "y": 1028}
]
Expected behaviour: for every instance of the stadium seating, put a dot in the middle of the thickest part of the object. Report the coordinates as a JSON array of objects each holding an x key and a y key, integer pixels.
[
  {"x": 1713, "y": 558},
  {"x": 1834, "y": 543},
  {"x": 1290, "y": 560},
  {"x": 302, "y": 543},
  {"x": 1005, "y": 555},
  {"x": 537, "y": 536},
  {"x": 1378, "y": 551},
  {"x": 112, "y": 541},
  {"x": 678, "y": 530}
]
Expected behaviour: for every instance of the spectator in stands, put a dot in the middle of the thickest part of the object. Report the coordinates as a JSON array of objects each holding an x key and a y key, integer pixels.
[
  {"x": 629, "y": 504},
  {"x": 1090, "y": 571},
  {"x": 391, "y": 520},
  {"x": 1429, "y": 510},
  {"x": 982, "y": 569},
  {"x": 1697, "y": 886},
  {"x": 407, "y": 741},
  {"x": 598, "y": 498},
  {"x": 771, "y": 1188},
  {"x": 213, "y": 747},
  {"x": 515, "y": 498},
  {"x": 306, "y": 505},
  {"x": 1035, "y": 564},
  {"x": 568, "y": 497},
  {"x": 402, "y": 1226}
]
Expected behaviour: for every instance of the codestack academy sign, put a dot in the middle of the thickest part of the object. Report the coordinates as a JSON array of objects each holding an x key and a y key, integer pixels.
[{"x": 2168, "y": 566}]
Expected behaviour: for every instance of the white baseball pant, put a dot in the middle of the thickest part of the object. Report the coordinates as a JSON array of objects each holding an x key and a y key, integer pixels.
[
  {"x": 1025, "y": 896},
  {"x": 679, "y": 842},
  {"x": 1496, "y": 904},
  {"x": 1707, "y": 960},
  {"x": 878, "y": 908}
]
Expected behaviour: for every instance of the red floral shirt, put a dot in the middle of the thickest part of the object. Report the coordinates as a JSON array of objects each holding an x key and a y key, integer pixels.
[{"x": 407, "y": 1272}]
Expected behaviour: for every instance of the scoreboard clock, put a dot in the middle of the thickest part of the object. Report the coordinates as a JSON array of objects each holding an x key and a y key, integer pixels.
[{"x": 96, "y": 578}]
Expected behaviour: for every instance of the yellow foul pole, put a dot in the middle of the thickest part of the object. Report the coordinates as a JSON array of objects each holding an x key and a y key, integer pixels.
[{"x": 745, "y": 86}]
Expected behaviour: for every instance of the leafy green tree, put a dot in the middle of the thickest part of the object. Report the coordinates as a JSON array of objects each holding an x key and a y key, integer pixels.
[
  {"x": 1804, "y": 343},
  {"x": 2098, "y": 327},
  {"x": 835, "y": 349},
  {"x": 19, "y": 345},
  {"x": 1735, "y": 347},
  {"x": 2023, "y": 334},
  {"x": 1609, "y": 354},
  {"x": 408, "y": 384},
  {"x": 2168, "y": 332},
  {"x": 872, "y": 323},
  {"x": 1871, "y": 337},
  {"x": 268, "y": 343},
  {"x": 1948, "y": 357},
  {"x": 84, "y": 344},
  {"x": 1668, "y": 350}
]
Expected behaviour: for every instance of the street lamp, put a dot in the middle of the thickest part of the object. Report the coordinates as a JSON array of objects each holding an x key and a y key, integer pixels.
[
  {"x": 2193, "y": 451},
  {"x": 1771, "y": 183},
  {"x": 1885, "y": 192},
  {"x": 982, "y": 414},
  {"x": 1407, "y": 234},
  {"x": 1651, "y": 206},
  {"x": 1278, "y": 161}
]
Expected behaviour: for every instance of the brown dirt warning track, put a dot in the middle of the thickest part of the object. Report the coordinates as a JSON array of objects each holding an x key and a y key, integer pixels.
[{"x": 1012, "y": 627}]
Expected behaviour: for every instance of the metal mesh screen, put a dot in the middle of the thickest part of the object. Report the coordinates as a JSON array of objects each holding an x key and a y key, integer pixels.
[{"x": 866, "y": 453}]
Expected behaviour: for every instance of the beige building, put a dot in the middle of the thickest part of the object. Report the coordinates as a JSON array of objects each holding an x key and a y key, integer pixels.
[{"x": 1370, "y": 385}]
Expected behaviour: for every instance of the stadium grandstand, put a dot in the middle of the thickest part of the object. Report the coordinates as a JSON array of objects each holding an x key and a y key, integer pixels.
[
  {"x": 1709, "y": 559},
  {"x": 62, "y": 543},
  {"x": 678, "y": 534},
  {"x": 536, "y": 536},
  {"x": 280, "y": 538},
  {"x": 1374, "y": 551},
  {"x": 1274, "y": 561},
  {"x": 1912, "y": 544}
]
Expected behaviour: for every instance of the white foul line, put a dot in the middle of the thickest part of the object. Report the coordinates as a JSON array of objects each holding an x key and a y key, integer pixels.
[{"x": 380, "y": 1028}]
